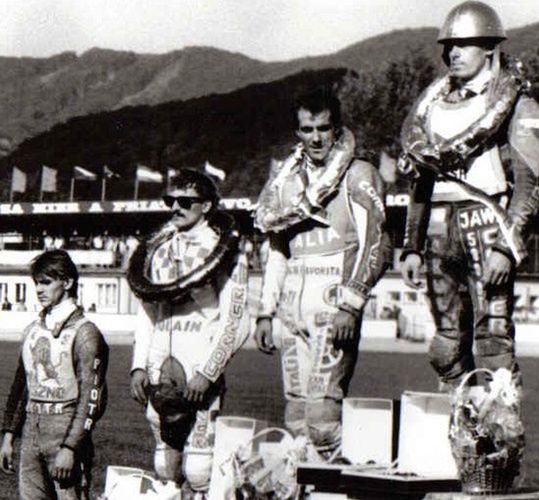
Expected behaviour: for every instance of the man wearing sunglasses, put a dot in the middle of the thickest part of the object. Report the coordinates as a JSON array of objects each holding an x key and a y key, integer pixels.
[
  {"x": 192, "y": 280},
  {"x": 324, "y": 213}
]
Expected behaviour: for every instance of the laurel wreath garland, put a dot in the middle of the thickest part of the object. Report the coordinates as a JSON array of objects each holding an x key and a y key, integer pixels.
[
  {"x": 138, "y": 274},
  {"x": 452, "y": 154},
  {"x": 277, "y": 214}
]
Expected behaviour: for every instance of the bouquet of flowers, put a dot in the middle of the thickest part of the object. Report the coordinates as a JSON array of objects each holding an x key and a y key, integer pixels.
[
  {"x": 486, "y": 432},
  {"x": 269, "y": 472}
]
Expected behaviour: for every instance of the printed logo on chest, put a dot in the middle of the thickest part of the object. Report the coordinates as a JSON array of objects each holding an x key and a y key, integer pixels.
[
  {"x": 476, "y": 218},
  {"x": 316, "y": 238}
]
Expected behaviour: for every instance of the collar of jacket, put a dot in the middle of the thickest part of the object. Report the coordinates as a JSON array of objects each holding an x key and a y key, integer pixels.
[
  {"x": 71, "y": 316},
  {"x": 476, "y": 86}
]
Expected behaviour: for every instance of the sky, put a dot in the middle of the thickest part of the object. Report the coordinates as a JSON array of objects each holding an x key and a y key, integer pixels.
[{"x": 269, "y": 30}]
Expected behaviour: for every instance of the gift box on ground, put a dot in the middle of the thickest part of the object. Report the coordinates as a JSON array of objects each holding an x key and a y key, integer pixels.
[
  {"x": 369, "y": 430},
  {"x": 424, "y": 446},
  {"x": 425, "y": 463}
]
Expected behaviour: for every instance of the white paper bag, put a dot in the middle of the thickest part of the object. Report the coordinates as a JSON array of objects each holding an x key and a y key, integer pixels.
[{"x": 230, "y": 434}]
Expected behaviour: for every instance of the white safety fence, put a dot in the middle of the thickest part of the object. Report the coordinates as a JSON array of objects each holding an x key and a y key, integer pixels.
[{"x": 19, "y": 258}]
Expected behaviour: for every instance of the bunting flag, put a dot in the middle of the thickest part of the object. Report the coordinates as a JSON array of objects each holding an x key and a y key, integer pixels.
[
  {"x": 146, "y": 174},
  {"x": 48, "y": 179},
  {"x": 214, "y": 171},
  {"x": 82, "y": 174},
  {"x": 109, "y": 174},
  {"x": 171, "y": 172},
  {"x": 18, "y": 181}
]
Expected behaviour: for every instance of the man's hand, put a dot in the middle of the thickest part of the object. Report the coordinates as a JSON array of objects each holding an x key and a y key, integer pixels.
[
  {"x": 6, "y": 454},
  {"x": 264, "y": 336},
  {"x": 140, "y": 383},
  {"x": 196, "y": 388},
  {"x": 63, "y": 464},
  {"x": 344, "y": 328},
  {"x": 497, "y": 269},
  {"x": 410, "y": 269}
]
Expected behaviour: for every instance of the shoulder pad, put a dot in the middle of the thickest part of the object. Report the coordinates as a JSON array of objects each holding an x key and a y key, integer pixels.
[
  {"x": 362, "y": 168},
  {"x": 524, "y": 133},
  {"x": 526, "y": 115}
]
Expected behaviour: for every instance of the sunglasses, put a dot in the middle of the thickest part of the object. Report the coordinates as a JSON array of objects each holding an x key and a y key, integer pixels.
[{"x": 185, "y": 202}]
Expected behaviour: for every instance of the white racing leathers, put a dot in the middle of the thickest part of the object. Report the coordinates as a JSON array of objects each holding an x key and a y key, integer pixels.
[
  {"x": 313, "y": 270},
  {"x": 202, "y": 334}
]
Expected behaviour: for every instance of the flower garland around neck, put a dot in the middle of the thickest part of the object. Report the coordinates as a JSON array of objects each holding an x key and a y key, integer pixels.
[
  {"x": 178, "y": 291},
  {"x": 452, "y": 154},
  {"x": 276, "y": 213}
]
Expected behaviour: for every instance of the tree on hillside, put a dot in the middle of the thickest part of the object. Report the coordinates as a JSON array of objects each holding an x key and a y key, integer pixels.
[{"x": 375, "y": 106}]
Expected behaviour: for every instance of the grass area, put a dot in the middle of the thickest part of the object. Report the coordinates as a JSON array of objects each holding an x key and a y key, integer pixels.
[{"x": 254, "y": 389}]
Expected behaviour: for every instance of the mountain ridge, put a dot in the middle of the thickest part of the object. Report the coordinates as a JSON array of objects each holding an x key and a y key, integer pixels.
[{"x": 38, "y": 93}]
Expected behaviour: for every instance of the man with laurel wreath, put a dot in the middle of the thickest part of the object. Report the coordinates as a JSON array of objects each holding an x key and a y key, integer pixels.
[
  {"x": 471, "y": 147},
  {"x": 192, "y": 281},
  {"x": 323, "y": 210}
]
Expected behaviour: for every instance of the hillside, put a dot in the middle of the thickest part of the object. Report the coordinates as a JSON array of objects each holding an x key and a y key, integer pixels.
[
  {"x": 239, "y": 132},
  {"x": 36, "y": 94}
]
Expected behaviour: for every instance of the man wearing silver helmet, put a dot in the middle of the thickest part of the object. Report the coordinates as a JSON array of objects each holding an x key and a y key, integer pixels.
[{"x": 471, "y": 147}]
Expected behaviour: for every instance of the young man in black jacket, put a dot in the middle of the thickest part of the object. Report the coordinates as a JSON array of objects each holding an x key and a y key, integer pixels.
[{"x": 59, "y": 389}]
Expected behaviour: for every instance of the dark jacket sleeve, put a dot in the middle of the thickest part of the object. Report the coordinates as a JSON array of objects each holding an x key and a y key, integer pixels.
[
  {"x": 366, "y": 199},
  {"x": 90, "y": 358},
  {"x": 523, "y": 138},
  {"x": 421, "y": 184},
  {"x": 418, "y": 213},
  {"x": 15, "y": 413}
]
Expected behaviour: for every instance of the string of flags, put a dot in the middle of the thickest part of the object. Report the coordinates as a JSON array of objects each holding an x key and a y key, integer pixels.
[{"x": 143, "y": 174}]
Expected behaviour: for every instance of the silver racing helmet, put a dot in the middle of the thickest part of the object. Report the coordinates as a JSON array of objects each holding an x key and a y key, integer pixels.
[{"x": 472, "y": 19}]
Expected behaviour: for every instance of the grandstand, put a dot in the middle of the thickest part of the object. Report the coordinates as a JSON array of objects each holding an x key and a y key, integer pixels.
[{"x": 101, "y": 235}]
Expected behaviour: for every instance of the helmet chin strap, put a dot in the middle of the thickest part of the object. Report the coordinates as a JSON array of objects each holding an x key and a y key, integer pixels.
[{"x": 495, "y": 68}]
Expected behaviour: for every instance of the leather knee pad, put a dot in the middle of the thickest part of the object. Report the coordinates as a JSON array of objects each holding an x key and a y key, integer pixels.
[
  {"x": 294, "y": 417},
  {"x": 166, "y": 463},
  {"x": 449, "y": 358},
  {"x": 323, "y": 419},
  {"x": 197, "y": 469},
  {"x": 443, "y": 353},
  {"x": 495, "y": 345}
]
